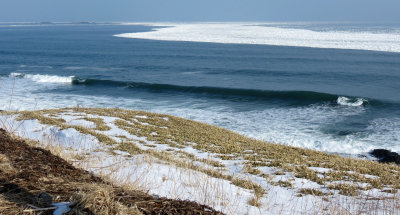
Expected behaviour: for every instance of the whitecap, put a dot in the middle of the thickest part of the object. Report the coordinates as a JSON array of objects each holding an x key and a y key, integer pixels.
[
  {"x": 44, "y": 78},
  {"x": 17, "y": 74},
  {"x": 345, "y": 101}
]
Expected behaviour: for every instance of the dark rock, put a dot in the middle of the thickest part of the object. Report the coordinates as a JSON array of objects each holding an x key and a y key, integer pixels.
[
  {"x": 386, "y": 156},
  {"x": 45, "y": 199}
]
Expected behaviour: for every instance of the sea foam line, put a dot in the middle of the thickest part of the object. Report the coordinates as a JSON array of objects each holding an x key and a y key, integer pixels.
[{"x": 239, "y": 33}]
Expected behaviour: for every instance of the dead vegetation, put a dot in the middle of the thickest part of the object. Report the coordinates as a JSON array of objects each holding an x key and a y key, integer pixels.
[
  {"x": 178, "y": 133},
  {"x": 99, "y": 122},
  {"x": 340, "y": 175},
  {"x": 29, "y": 173},
  {"x": 101, "y": 200}
]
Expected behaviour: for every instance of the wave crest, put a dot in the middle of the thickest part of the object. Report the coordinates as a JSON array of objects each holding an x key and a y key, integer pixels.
[
  {"x": 44, "y": 78},
  {"x": 296, "y": 97},
  {"x": 353, "y": 102}
]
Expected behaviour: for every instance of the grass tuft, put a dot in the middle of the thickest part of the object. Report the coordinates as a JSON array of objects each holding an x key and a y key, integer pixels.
[{"x": 103, "y": 201}]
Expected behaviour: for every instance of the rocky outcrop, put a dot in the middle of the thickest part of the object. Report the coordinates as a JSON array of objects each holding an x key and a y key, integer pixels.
[{"x": 386, "y": 156}]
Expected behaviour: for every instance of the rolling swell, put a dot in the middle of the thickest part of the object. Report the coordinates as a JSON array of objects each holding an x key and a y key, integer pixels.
[{"x": 305, "y": 97}]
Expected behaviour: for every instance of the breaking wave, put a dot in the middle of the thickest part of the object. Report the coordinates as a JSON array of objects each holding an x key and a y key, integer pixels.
[
  {"x": 44, "y": 78},
  {"x": 354, "y": 102}
]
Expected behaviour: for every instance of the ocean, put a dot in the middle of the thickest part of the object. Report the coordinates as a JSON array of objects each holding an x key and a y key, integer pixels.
[{"x": 333, "y": 87}]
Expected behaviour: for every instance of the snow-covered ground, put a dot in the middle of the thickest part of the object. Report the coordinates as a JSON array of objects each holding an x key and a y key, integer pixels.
[{"x": 166, "y": 179}]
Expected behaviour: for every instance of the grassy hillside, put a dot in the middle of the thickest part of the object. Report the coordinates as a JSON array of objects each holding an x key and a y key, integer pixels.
[
  {"x": 247, "y": 163},
  {"x": 27, "y": 172}
]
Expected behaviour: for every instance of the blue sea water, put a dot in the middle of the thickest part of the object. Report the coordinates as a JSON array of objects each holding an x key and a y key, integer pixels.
[{"x": 335, "y": 100}]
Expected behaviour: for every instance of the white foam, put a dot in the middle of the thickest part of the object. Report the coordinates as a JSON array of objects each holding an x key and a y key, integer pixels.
[
  {"x": 298, "y": 126},
  {"x": 386, "y": 132},
  {"x": 255, "y": 33},
  {"x": 44, "y": 78},
  {"x": 17, "y": 74},
  {"x": 342, "y": 100}
]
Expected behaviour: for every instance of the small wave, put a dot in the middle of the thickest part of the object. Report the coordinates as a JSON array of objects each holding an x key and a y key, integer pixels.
[
  {"x": 100, "y": 69},
  {"x": 44, "y": 78},
  {"x": 74, "y": 67},
  {"x": 37, "y": 67},
  {"x": 353, "y": 102},
  {"x": 192, "y": 73},
  {"x": 76, "y": 80}
]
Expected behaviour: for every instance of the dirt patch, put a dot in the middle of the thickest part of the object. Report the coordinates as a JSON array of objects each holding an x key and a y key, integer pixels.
[{"x": 31, "y": 171}]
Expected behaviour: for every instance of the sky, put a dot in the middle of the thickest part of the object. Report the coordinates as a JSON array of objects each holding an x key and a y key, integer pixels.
[{"x": 199, "y": 10}]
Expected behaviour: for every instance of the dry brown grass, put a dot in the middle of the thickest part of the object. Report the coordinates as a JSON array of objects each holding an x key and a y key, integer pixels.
[
  {"x": 9, "y": 207},
  {"x": 5, "y": 165},
  {"x": 344, "y": 188},
  {"x": 91, "y": 194},
  {"x": 99, "y": 122},
  {"x": 254, "y": 201},
  {"x": 101, "y": 200},
  {"x": 6, "y": 168},
  {"x": 281, "y": 183},
  {"x": 227, "y": 145},
  {"x": 312, "y": 191}
]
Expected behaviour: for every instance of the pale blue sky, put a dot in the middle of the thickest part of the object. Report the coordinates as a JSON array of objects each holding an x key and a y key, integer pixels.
[{"x": 200, "y": 10}]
